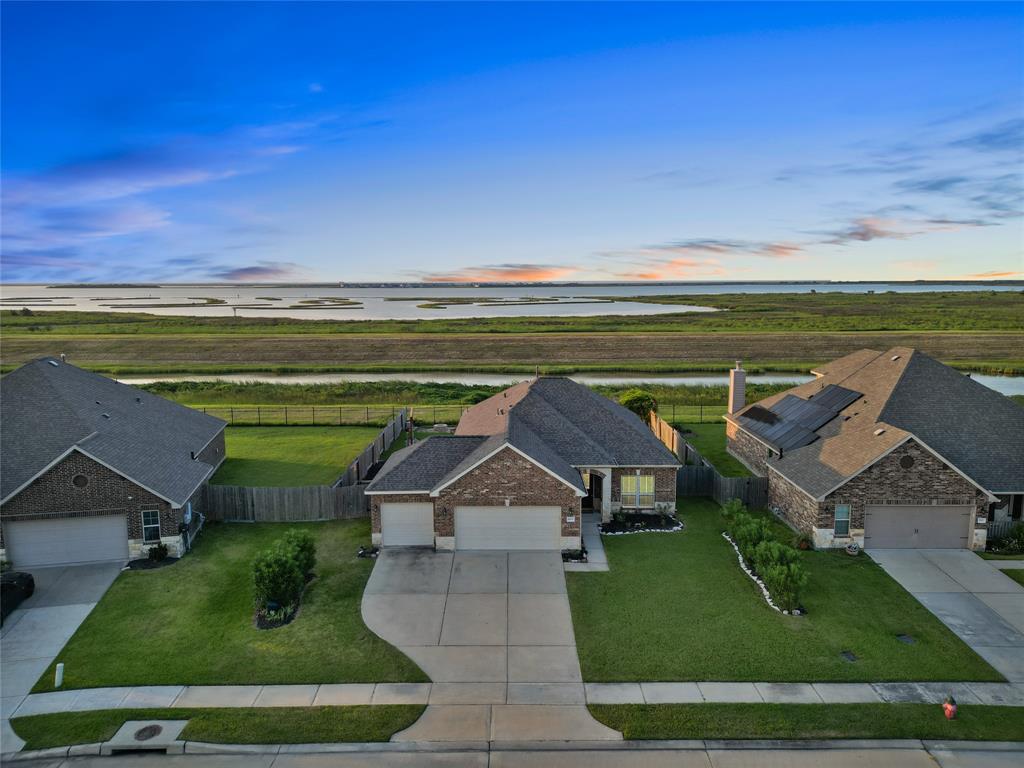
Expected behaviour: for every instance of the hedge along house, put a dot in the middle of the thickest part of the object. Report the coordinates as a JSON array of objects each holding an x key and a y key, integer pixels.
[
  {"x": 93, "y": 470},
  {"x": 887, "y": 449},
  {"x": 519, "y": 471}
]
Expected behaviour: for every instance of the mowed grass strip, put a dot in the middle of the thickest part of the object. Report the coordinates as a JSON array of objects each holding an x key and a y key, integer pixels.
[
  {"x": 811, "y": 721},
  {"x": 678, "y": 607},
  {"x": 191, "y": 623},
  {"x": 290, "y": 456},
  {"x": 261, "y": 725},
  {"x": 709, "y": 439}
]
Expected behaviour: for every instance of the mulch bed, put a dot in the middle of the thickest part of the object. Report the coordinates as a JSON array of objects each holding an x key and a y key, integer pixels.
[
  {"x": 262, "y": 621},
  {"x": 145, "y": 564},
  {"x": 641, "y": 524}
]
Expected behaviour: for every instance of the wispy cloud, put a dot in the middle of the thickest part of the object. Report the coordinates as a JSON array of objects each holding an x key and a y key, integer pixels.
[
  {"x": 1005, "y": 137},
  {"x": 498, "y": 273},
  {"x": 994, "y": 275},
  {"x": 261, "y": 271}
]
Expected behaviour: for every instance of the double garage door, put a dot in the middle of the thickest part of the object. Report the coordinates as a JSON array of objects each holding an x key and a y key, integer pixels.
[
  {"x": 494, "y": 527},
  {"x": 918, "y": 527},
  {"x": 66, "y": 541}
]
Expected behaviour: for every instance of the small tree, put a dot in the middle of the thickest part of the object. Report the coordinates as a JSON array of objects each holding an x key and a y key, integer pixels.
[
  {"x": 639, "y": 401},
  {"x": 785, "y": 583},
  {"x": 277, "y": 576},
  {"x": 304, "y": 545}
]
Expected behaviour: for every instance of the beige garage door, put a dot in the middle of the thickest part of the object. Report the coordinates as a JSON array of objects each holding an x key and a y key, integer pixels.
[
  {"x": 508, "y": 527},
  {"x": 35, "y": 543},
  {"x": 917, "y": 527},
  {"x": 407, "y": 525}
]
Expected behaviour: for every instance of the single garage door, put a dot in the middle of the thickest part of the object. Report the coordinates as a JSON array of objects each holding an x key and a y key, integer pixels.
[
  {"x": 33, "y": 543},
  {"x": 917, "y": 527},
  {"x": 508, "y": 527},
  {"x": 407, "y": 525}
]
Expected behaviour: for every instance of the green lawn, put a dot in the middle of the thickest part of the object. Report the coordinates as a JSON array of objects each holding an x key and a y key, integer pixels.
[
  {"x": 994, "y": 556},
  {"x": 192, "y": 622},
  {"x": 1017, "y": 574},
  {"x": 811, "y": 721},
  {"x": 288, "y": 456},
  {"x": 271, "y": 725},
  {"x": 678, "y": 607},
  {"x": 709, "y": 439}
]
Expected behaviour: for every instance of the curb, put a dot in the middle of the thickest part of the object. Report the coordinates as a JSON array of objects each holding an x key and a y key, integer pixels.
[{"x": 207, "y": 748}]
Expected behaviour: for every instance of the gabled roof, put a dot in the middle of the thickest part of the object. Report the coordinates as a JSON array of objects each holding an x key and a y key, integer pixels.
[
  {"x": 49, "y": 408},
  {"x": 556, "y": 423},
  {"x": 573, "y": 421},
  {"x": 902, "y": 393}
]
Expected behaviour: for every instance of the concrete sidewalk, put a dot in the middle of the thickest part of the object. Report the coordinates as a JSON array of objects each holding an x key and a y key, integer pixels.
[
  {"x": 597, "y": 561},
  {"x": 502, "y": 695}
]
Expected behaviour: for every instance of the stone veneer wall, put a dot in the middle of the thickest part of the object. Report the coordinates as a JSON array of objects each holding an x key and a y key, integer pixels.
[
  {"x": 747, "y": 449},
  {"x": 664, "y": 486},
  {"x": 507, "y": 475},
  {"x": 928, "y": 481}
]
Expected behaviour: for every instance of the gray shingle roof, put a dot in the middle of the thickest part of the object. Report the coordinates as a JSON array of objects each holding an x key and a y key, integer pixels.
[
  {"x": 980, "y": 431},
  {"x": 48, "y": 407},
  {"x": 906, "y": 394},
  {"x": 424, "y": 465},
  {"x": 555, "y": 421}
]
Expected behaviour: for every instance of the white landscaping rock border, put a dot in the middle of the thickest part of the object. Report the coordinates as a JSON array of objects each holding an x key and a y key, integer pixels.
[{"x": 757, "y": 580}]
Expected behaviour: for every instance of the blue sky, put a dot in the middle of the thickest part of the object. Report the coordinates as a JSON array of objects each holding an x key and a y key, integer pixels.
[{"x": 401, "y": 142}]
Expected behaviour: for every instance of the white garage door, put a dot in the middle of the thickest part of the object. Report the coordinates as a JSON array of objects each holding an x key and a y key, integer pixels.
[
  {"x": 33, "y": 543},
  {"x": 407, "y": 525},
  {"x": 917, "y": 527},
  {"x": 508, "y": 527}
]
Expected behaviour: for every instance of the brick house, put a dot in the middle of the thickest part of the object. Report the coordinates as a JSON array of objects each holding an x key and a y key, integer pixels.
[
  {"x": 519, "y": 471},
  {"x": 94, "y": 470},
  {"x": 887, "y": 449}
]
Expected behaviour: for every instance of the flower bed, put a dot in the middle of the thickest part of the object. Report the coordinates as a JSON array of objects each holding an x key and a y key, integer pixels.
[
  {"x": 774, "y": 566},
  {"x": 280, "y": 576},
  {"x": 623, "y": 523}
]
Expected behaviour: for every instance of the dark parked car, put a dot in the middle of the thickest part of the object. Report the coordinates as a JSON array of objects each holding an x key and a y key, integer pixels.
[{"x": 15, "y": 586}]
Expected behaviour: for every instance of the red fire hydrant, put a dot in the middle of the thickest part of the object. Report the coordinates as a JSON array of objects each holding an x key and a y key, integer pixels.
[{"x": 949, "y": 708}]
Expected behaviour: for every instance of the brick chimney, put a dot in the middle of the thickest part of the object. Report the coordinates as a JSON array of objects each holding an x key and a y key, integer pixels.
[{"x": 737, "y": 388}]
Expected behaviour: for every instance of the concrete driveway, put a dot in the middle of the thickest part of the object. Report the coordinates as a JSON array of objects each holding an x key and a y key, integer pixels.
[
  {"x": 36, "y": 632},
  {"x": 493, "y": 631},
  {"x": 983, "y": 606}
]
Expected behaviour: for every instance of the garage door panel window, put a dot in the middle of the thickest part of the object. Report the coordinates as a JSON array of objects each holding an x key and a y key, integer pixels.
[
  {"x": 637, "y": 491},
  {"x": 842, "y": 524},
  {"x": 150, "y": 526}
]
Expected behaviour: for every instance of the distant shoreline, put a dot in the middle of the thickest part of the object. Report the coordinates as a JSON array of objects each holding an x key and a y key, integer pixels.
[{"x": 573, "y": 284}]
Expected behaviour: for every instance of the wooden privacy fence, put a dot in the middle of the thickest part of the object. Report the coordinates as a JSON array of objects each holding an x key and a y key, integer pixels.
[
  {"x": 242, "y": 503},
  {"x": 698, "y": 476},
  {"x": 357, "y": 470}
]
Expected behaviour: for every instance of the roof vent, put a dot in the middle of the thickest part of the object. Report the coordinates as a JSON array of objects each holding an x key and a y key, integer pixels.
[
  {"x": 106, "y": 415},
  {"x": 138, "y": 399},
  {"x": 54, "y": 363},
  {"x": 879, "y": 431},
  {"x": 894, "y": 358}
]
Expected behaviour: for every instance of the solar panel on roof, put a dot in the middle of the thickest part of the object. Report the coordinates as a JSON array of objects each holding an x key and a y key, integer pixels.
[{"x": 793, "y": 421}]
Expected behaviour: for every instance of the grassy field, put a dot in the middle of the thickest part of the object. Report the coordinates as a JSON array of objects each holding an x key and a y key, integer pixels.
[
  {"x": 263, "y": 725},
  {"x": 811, "y": 721},
  {"x": 196, "y": 618},
  {"x": 709, "y": 439},
  {"x": 290, "y": 456},
  {"x": 981, "y": 330},
  {"x": 678, "y": 607}
]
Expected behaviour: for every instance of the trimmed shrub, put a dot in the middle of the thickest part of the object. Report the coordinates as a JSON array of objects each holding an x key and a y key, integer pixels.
[
  {"x": 748, "y": 532},
  {"x": 768, "y": 553},
  {"x": 785, "y": 582},
  {"x": 277, "y": 576},
  {"x": 1011, "y": 543},
  {"x": 304, "y": 544},
  {"x": 733, "y": 507},
  {"x": 158, "y": 552}
]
